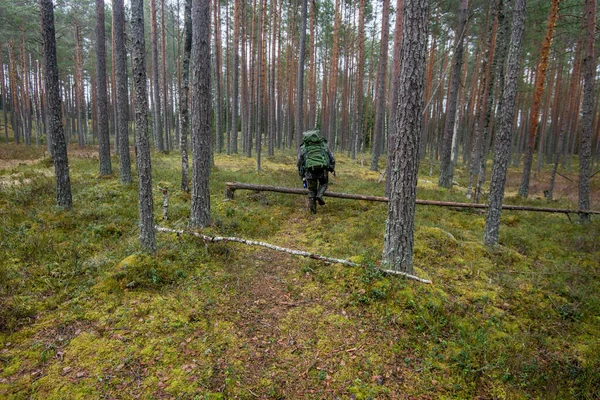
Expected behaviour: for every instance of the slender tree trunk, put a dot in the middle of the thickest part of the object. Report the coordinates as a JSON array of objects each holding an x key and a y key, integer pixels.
[
  {"x": 534, "y": 114},
  {"x": 142, "y": 141},
  {"x": 64, "y": 198},
  {"x": 502, "y": 147},
  {"x": 446, "y": 166},
  {"x": 379, "y": 127},
  {"x": 392, "y": 138},
  {"x": 101, "y": 92},
  {"x": 4, "y": 97},
  {"x": 121, "y": 87},
  {"x": 237, "y": 17},
  {"x": 201, "y": 114},
  {"x": 184, "y": 118},
  {"x": 496, "y": 73},
  {"x": 156, "y": 108},
  {"x": 218, "y": 84},
  {"x": 585, "y": 146},
  {"x": 164, "y": 87},
  {"x": 360, "y": 76},
  {"x": 331, "y": 124},
  {"x": 300, "y": 76},
  {"x": 272, "y": 93},
  {"x": 404, "y": 155}
]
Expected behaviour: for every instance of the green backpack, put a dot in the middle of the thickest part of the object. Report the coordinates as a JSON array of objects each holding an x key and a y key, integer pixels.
[{"x": 315, "y": 152}]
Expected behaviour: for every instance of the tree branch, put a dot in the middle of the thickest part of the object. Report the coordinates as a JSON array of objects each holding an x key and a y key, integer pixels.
[{"x": 285, "y": 250}]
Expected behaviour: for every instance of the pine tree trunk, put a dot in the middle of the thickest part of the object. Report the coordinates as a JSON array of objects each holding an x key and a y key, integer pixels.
[
  {"x": 502, "y": 146},
  {"x": 61, "y": 162},
  {"x": 446, "y": 166},
  {"x": 272, "y": 82},
  {"x": 3, "y": 87},
  {"x": 164, "y": 87},
  {"x": 232, "y": 146},
  {"x": 218, "y": 83},
  {"x": 496, "y": 74},
  {"x": 142, "y": 141},
  {"x": 184, "y": 118},
  {"x": 404, "y": 155},
  {"x": 378, "y": 129},
  {"x": 156, "y": 108},
  {"x": 300, "y": 75},
  {"x": 359, "y": 92},
  {"x": 201, "y": 114},
  {"x": 534, "y": 114},
  {"x": 122, "y": 93},
  {"x": 392, "y": 138},
  {"x": 585, "y": 146},
  {"x": 101, "y": 92},
  {"x": 331, "y": 101}
]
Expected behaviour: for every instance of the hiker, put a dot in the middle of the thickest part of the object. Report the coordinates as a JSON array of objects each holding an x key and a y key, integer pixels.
[{"x": 315, "y": 160}]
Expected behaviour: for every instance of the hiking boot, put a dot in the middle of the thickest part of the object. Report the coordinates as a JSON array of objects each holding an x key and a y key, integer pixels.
[{"x": 320, "y": 201}]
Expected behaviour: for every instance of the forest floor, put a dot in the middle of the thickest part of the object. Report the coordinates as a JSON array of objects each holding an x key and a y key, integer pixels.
[{"x": 85, "y": 314}]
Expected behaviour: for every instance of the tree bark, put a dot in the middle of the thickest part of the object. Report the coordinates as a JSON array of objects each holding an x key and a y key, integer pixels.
[
  {"x": 121, "y": 87},
  {"x": 201, "y": 113},
  {"x": 379, "y": 128},
  {"x": 331, "y": 100},
  {"x": 534, "y": 113},
  {"x": 502, "y": 146},
  {"x": 184, "y": 118},
  {"x": 101, "y": 92},
  {"x": 237, "y": 17},
  {"x": 585, "y": 146},
  {"x": 142, "y": 141},
  {"x": 404, "y": 155},
  {"x": 446, "y": 166},
  {"x": 218, "y": 83},
  {"x": 64, "y": 198},
  {"x": 395, "y": 85},
  {"x": 156, "y": 108},
  {"x": 300, "y": 75}
]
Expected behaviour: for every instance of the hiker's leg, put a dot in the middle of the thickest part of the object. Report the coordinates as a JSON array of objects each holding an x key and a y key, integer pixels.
[
  {"x": 323, "y": 181},
  {"x": 312, "y": 186}
]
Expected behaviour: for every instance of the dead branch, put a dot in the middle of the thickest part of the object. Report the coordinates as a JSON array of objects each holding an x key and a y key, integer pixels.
[
  {"x": 285, "y": 250},
  {"x": 231, "y": 187}
]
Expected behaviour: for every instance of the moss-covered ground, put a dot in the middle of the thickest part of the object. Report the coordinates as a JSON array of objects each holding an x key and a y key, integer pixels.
[{"x": 85, "y": 314}]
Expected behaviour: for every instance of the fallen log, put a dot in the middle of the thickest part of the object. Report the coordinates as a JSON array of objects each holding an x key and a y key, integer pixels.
[
  {"x": 231, "y": 187},
  {"x": 301, "y": 253}
]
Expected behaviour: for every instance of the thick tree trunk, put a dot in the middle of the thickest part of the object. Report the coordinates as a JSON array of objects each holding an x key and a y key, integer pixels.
[
  {"x": 61, "y": 162},
  {"x": 122, "y": 95},
  {"x": 534, "y": 114},
  {"x": 446, "y": 166},
  {"x": 585, "y": 146},
  {"x": 502, "y": 147},
  {"x": 142, "y": 141},
  {"x": 201, "y": 113},
  {"x": 404, "y": 155}
]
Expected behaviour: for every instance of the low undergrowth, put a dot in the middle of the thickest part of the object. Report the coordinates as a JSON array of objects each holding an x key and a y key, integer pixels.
[{"x": 84, "y": 313}]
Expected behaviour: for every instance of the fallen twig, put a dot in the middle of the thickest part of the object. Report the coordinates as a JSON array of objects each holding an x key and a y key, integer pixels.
[{"x": 285, "y": 250}]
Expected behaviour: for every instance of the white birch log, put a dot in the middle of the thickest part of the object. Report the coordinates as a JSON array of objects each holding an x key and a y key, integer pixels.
[{"x": 285, "y": 250}]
